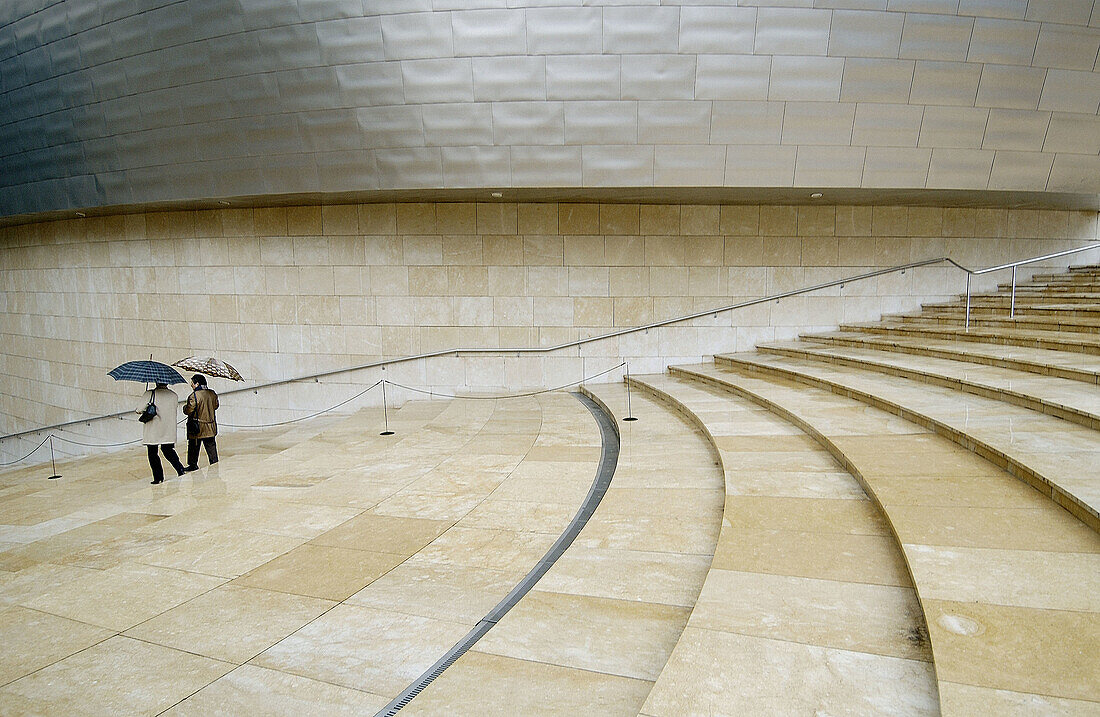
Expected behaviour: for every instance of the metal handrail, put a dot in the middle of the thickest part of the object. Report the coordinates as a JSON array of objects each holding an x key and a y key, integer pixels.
[
  {"x": 1013, "y": 265},
  {"x": 611, "y": 334}
]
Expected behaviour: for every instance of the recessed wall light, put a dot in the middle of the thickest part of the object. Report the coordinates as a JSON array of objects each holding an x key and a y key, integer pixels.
[
  {"x": 81, "y": 214},
  {"x": 497, "y": 195},
  {"x": 223, "y": 202},
  {"x": 816, "y": 195}
]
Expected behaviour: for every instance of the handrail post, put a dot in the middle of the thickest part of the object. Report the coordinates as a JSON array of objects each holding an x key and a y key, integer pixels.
[
  {"x": 1012, "y": 310},
  {"x": 967, "y": 326}
]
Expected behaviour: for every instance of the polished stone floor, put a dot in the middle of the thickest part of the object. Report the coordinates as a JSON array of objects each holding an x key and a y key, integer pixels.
[{"x": 322, "y": 568}]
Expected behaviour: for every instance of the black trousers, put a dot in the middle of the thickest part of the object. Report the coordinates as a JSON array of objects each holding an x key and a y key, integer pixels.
[
  {"x": 209, "y": 444},
  {"x": 169, "y": 451}
]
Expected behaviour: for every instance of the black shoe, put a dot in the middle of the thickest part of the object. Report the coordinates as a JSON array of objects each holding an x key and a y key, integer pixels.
[
  {"x": 188, "y": 469},
  {"x": 156, "y": 482},
  {"x": 180, "y": 473}
]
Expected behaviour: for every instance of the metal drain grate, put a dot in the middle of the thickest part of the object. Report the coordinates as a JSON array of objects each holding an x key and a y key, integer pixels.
[{"x": 609, "y": 458}]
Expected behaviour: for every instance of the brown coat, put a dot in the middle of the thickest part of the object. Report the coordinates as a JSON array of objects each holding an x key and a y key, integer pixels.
[{"x": 201, "y": 405}]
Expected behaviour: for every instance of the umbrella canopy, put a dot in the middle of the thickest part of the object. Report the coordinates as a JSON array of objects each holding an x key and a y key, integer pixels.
[
  {"x": 146, "y": 372},
  {"x": 209, "y": 366}
]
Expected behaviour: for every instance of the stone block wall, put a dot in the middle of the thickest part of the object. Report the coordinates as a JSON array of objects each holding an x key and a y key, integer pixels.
[{"x": 283, "y": 292}]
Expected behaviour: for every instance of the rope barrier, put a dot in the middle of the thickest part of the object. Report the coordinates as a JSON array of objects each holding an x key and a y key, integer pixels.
[
  {"x": 17, "y": 460},
  {"x": 96, "y": 445},
  {"x": 429, "y": 392},
  {"x": 303, "y": 418}
]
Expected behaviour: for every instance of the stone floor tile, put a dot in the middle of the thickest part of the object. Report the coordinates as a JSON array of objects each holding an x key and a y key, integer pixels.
[
  {"x": 224, "y": 553},
  {"x": 1023, "y": 578},
  {"x": 651, "y": 577},
  {"x": 252, "y": 690},
  {"x": 1040, "y": 526},
  {"x": 748, "y": 675},
  {"x": 618, "y": 637},
  {"x": 811, "y": 515},
  {"x": 831, "y": 485},
  {"x": 123, "y": 596},
  {"x": 118, "y": 676},
  {"x": 829, "y": 556},
  {"x": 230, "y": 623},
  {"x": 22, "y": 586},
  {"x": 494, "y": 549},
  {"x": 1046, "y": 652},
  {"x": 383, "y": 533},
  {"x": 320, "y": 571},
  {"x": 485, "y": 684},
  {"x": 377, "y": 651},
  {"x": 877, "y": 619},
  {"x": 454, "y": 593},
  {"x": 968, "y": 699},
  {"x": 496, "y": 513},
  {"x": 667, "y": 533},
  {"x": 33, "y": 639}
]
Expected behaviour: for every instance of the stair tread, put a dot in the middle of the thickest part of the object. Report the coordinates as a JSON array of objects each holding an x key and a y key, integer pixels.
[
  {"x": 1068, "y": 360},
  {"x": 990, "y": 558},
  {"x": 849, "y": 591},
  {"x": 1065, "y": 455},
  {"x": 1051, "y": 391},
  {"x": 1063, "y": 338}
]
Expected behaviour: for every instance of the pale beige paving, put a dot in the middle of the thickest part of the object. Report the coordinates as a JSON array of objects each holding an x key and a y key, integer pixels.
[
  {"x": 135, "y": 557},
  {"x": 607, "y": 614}
]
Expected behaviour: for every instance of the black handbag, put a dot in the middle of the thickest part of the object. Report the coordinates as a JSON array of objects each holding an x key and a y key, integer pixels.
[
  {"x": 192, "y": 422},
  {"x": 150, "y": 411}
]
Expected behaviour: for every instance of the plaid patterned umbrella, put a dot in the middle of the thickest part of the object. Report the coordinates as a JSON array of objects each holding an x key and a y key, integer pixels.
[
  {"x": 209, "y": 366},
  {"x": 146, "y": 372}
]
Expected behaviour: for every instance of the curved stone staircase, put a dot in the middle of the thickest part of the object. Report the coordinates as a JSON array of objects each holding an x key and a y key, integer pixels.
[
  {"x": 979, "y": 450},
  {"x": 894, "y": 518}
]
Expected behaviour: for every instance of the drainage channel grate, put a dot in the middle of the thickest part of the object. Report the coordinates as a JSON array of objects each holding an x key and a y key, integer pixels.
[{"x": 609, "y": 458}]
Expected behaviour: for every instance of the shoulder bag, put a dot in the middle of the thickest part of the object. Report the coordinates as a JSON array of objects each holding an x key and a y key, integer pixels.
[{"x": 150, "y": 411}]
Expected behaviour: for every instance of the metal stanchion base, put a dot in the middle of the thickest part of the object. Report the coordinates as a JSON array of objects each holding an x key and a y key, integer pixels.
[
  {"x": 53, "y": 477},
  {"x": 630, "y": 418},
  {"x": 386, "y": 433}
]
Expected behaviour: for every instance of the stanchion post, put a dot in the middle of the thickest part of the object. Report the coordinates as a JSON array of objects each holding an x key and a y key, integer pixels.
[
  {"x": 629, "y": 413},
  {"x": 53, "y": 463},
  {"x": 385, "y": 412}
]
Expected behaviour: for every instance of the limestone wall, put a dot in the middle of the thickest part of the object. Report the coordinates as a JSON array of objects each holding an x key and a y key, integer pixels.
[{"x": 283, "y": 292}]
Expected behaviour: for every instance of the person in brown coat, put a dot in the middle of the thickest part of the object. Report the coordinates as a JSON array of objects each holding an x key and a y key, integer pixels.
[{"x": 201, "y": 426}]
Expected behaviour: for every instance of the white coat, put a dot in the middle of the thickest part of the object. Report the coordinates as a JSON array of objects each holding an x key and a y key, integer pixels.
[{"x": 162, "y": 429}]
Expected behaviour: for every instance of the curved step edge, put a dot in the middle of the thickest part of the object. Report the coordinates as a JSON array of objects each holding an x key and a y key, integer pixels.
[{"x": 1075, "y": 505}]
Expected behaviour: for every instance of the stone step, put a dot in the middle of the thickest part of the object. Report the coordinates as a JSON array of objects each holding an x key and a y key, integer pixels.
[
  {"x": 1058, "y": 458},
  {"x": 1007, "y": 582},
  {"x": 1070, "y": 365},
  {"x": 1038, "y": 323},
  {"x": 1074, "y": 311},
  {"x": 1050, "y": 291},
  {"x": 1056, "y": 340},
  {"x": 806, "y": 577},
  {"x": 1028, "y": 298},
  {"x": 1085, "y": 269},
  {"x": 1084, "y": 275},
  {"x": 1064, "y": 398}
]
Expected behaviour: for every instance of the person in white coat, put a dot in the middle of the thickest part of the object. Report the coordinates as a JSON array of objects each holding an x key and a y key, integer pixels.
[{"x": 161, "y": 430}]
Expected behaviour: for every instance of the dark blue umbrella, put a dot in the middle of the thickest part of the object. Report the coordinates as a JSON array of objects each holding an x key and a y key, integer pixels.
[{"x": 146, "y": 372}]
